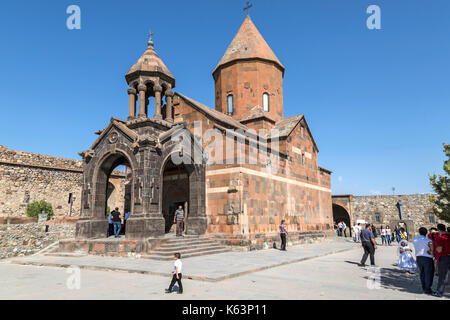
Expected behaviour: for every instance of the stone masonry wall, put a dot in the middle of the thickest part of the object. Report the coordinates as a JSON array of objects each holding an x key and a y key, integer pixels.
[
  {"x": 26, "y": 239},
  {"x": 26, "y": 177},
  {"x": 415, "y": 207}
]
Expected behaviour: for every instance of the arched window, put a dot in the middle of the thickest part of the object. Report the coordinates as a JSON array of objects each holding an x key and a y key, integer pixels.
[
  {"x": 266, "y": 102},
  {"x": 230, "y": 104},
  {"x": 377, "y": 217}
]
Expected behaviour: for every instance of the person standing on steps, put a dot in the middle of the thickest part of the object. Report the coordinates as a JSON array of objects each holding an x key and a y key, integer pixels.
[
  {"x": 179, "y": 220},
  {"x": 369, "y": 245},
  {"x": 283, "y": 233}
]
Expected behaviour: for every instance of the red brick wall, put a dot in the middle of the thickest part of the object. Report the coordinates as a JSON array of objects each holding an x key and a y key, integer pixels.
[
  {"x": 242, "y": 203},
  {"x": 247, "y": 81}
]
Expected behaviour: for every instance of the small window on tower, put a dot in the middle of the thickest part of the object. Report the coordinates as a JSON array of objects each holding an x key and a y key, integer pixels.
[
  {"x": 230, "y": 104},
  {"x": 266, "y": 102}
]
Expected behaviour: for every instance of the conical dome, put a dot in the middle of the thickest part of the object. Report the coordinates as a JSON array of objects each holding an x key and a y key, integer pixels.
[
  {"x": 248, "y": 44},
  {"x": 150, "y": 62}
]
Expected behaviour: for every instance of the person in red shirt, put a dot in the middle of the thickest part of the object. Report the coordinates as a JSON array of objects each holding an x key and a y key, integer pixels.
[
  {"x": 443, "y": 249},
  {"x": 432, "y": 235}
]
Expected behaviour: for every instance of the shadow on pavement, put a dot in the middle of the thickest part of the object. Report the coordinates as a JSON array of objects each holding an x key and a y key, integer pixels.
[
  {"x": 396, "y": 279},
  {"x": 352, "y": 262}
]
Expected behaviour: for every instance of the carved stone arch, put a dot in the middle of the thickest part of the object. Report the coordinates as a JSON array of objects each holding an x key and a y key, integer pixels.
[
  {"x": 196, "y": 220},
  {"x": 134, "y": 84},
  {"x": 108, "y": 160}
]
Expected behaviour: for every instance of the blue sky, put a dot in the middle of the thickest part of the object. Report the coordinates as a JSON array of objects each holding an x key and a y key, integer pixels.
[{"x": 377, "y": 101}]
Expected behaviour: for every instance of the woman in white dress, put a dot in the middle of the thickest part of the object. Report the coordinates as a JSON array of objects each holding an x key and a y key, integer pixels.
[{"x": 406, "y": 260}]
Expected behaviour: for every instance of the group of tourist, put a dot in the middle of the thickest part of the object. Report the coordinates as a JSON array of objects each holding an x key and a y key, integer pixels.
[
  {"x": 341, "y": 229},
  {"x": 387, "y": 234},
  {"x": 432, "y": 251},
  {"x": 115, "y": 226}
]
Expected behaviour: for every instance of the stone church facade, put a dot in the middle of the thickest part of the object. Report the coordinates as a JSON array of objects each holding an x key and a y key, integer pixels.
[{"x": 169, "y": 156}]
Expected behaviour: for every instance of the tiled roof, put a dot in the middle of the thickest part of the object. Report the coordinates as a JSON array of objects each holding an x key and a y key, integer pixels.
[
  {"x": 256, "y": 113},
  {"x": 247, "y": 44},
  {"x": 286, "y": 125},
  {"x": 221, "y": 117},
  {"x": 150, "y": 61}
]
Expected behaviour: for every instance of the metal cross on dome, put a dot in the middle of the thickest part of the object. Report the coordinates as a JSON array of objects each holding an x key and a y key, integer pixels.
[
  {"x": 249, "y": 5},
  {"x": 150, "y": 35}
]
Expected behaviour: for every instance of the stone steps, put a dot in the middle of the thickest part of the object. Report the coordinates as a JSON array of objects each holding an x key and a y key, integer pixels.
[
  {"x": 153, "y": 256},
  {"x": 184, "y": 246},
  {"x": 187, "y": 247}
]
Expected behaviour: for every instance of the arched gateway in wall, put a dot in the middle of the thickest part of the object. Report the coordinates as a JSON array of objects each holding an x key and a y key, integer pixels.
[{"x": 163, "y": 148}]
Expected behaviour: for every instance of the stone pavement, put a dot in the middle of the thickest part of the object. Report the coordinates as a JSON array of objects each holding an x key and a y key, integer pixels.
[
  {"x": 334, "y": 276},
  {"x": 215, "y": 267}
]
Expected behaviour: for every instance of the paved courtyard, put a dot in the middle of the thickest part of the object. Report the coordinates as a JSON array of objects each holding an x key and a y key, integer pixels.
[{"x": 319, "y": 271}]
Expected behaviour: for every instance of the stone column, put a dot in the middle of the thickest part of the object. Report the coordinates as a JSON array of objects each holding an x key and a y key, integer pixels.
[
  {"x": 132, "y": 103},
  {"x": 142, "y": 89},
  {"x": 157, "y": 89},
  {"x": 169, "y": 95}
]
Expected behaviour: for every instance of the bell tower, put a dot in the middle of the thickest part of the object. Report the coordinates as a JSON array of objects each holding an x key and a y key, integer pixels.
[
  {"x": 249, "y": 76},
  {"x": 149, "y": 77}
]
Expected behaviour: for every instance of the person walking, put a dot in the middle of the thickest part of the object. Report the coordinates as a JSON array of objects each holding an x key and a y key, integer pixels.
[
  {"x": 423, "y": 247},
  {"x": 344, "y": 229},
  {"x": 179, "y": 220},
  {"x": 283, "y": 233},
  {"x": 369, "y": 245},
  {"x": 117, "y": 222},
  {"x": 356, "y": 232},
  {"x": 374, "y": 231},
  {"x": 403, "y": 234},
  {"x": 383, "y": 236},
  {"x": 340, "y": 229},
  {"x": 388, "y": 235},
  {"x": 443, "y": 249},
  {"x": 397, "y": 234},
  {"x": 336, "y": 229},
  {"x": 177, "y": 274},
  {"x": 434, "y": 233}
]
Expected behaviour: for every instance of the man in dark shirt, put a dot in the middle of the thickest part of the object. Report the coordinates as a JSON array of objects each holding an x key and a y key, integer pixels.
[
  {"x": 117, "y": 222},
  {"x": 369, "y": 245}
]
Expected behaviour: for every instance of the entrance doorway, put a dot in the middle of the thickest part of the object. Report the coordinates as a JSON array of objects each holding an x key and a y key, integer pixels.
[
  {"x": 175, "y": 193},
  {"x": 341, "y": 215},
  {"x": 114, "y": 181}
]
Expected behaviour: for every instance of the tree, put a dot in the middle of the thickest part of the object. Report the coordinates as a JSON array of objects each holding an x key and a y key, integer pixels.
[
  {"x": 440, "y": 184},
  {"x": 36, "y": 207}
]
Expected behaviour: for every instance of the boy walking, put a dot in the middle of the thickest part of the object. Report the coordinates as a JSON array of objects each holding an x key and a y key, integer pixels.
[{"x": 177, "y": 274}]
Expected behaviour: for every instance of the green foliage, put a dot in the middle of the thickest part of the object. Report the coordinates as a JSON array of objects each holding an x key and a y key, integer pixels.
[
  {"x": 36, "y": 207},
  {"x": 440, "y": 184}
]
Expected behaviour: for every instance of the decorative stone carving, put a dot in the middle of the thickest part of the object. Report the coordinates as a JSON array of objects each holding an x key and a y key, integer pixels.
[{"x": 113, "y": 137}]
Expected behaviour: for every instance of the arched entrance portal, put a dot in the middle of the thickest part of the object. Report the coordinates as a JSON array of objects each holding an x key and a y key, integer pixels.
[
  {"x": 341, "y": 215},
  {"x": 175, "y": 192},
  {"x": 113, "y": 181}
]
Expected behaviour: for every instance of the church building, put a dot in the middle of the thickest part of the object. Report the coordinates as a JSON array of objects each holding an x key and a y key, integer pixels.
[{"x": 178, "y": 151}]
